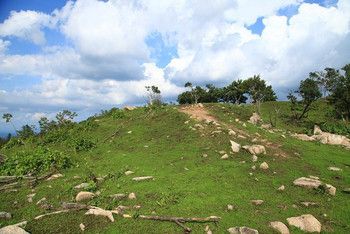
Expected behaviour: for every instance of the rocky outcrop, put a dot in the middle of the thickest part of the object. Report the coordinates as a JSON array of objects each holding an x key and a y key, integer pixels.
[
  {"x": 254, "y": 119},
  {"x": 313, "y": 183},
  {"x": 279, "y": 227}
]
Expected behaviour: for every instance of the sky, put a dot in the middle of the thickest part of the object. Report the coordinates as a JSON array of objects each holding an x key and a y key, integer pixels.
[{"x": 89, "y": 55}]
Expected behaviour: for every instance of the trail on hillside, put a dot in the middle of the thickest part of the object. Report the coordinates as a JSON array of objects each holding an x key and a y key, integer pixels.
[{"x": 198, "y": 112}]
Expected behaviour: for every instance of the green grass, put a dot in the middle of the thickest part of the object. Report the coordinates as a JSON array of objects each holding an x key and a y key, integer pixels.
[{"x": 205, "y": 189}]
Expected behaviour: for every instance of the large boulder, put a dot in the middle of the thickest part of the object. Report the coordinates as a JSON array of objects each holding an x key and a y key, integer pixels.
[
  {"x": 12, "y": 229},
  {"x": 101, "y": 212},
  {"x": 279, "y": 227},
  {"x": 242, "y": 230},
  {"x": 255, "y": 149},
  {"x": 83, "y": 196},
  {"x": 235, "y": 146},
  {"x": 307, "y": 182},
  {"x": 307, "y": 223},
  {"x": 254, "y": 119}
]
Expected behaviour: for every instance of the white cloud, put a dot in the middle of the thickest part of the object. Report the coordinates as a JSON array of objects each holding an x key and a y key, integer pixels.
[{"x": 26, "y": 25}]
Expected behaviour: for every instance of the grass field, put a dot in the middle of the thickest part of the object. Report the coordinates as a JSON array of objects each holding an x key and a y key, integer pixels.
[{"x": 159, "y": 143}]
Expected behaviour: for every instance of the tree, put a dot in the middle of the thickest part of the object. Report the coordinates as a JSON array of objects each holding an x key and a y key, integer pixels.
[
  {"x": 8, "y": 117},
  {"x": 193, "y": 91},
  {"x": 340, "y": 93},
  {"x": 258, "y": 91},
  {"x": 234, "y": 92},
  {"x": 45, "y": 124},
  {"x": 325, "y": 79},
  {"x": 65, "y": 117},
  {"x": 26, "y": 131},
  {"x": 154, "y": 97}
]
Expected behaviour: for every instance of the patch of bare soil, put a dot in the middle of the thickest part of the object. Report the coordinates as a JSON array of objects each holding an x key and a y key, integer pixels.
[{"x": 197, "y": 112}]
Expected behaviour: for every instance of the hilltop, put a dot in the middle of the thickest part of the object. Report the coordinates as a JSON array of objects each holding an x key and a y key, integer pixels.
[{"x": 194, "y": 171}]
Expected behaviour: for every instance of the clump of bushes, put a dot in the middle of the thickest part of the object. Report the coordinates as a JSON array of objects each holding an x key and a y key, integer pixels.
[
  {"x": 35, "y": 162},
  {"x": 83, "y": 145},
  {"x": 337, "y": 127}
]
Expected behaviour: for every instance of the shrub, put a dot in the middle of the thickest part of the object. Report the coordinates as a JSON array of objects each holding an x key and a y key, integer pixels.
[
  {"x": 117, "y": 114},
  {"x": 35, "y": 162},
  {"x": 341, "y": 128},
  {"x": 83, "y": 145},
  {"x": 13, "y": 142}
]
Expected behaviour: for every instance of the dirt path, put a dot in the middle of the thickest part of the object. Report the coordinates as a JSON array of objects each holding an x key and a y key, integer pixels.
[{"x": 198, "y": 112}]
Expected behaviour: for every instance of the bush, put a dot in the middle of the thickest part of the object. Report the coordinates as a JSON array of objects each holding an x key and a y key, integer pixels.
[
  {"x": 341, "y": 128},
  {"x": 117, "y": 114},
  {"x": 35, "y": 162},
  {"x": 13, "y": 142},
  {"x": 83, "y": 145}
]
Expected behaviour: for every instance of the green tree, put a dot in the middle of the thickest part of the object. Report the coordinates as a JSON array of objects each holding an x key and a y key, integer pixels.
[
  {"x": 26, "y": 131},
  {"x": 45, "y": 124},
  {"x": 154, "y": 97},
  {"x": 193, "y": 91},
  {"x": 234, "y": 92},
  {"x": 8, "y": 119},
  {"x": 65, "y": 117}
]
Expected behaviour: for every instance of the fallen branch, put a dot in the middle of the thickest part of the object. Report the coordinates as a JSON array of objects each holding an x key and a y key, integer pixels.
[
  {"x": 180, "y": 220},
  {"x": 52, "y": 213}
]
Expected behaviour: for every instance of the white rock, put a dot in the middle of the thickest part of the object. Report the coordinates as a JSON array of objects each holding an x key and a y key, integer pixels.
[
  {"x": 230, "y": 207},
  {"x": 128, "y": 173},
  {"x": 142, "y": 178},
  {"x": 264, "y": 166},
  {"x": 255, "y": 118},
  {"x": 5, "y": 215},
  {"x": 307, "y": 204},
  {"x": 257, "y": 202},
  {"x": 281, "y": 188},
  {"x": 231, "y": 132},
  {"x": 242, "y": 230},
  {"x": 55, "y": 176},
  {"x": 83, "y": 196},
  {"x": 118, "y": 196},
  {"x": 331, "y": 189},
  {"x": 12, "y": 229},
  {"x": 82, "y": 186},
  {"x": 132, "y": 196},
  {"x": 101, "y": 212},
  {"x": 30, "y": 197},
  {"x": 82, "y": 227},
  {"x": 307, "y": 223},
  {"x": 222, "y": 152},
  {"x": 255, "y": 149},
  {"x": 235, "y": 146},
  {"x": 254, "y": 158},
  {"x": 207, "y": 230},
  {"x": 307, "y": 182},
  {"x": 279, "y": 227},
  {"x": 225, "y": 156},
  {"x": 253, "y": 167},
  {"x": 199, "y": 126},
  {"x": 334, "y": 169}
]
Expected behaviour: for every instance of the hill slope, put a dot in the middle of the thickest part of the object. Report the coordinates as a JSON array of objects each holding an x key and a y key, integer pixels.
[{"x": 190, "y": 179}]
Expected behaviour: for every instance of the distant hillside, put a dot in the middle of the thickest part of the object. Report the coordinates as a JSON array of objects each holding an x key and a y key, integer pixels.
[{"x": 178, "y": 161}]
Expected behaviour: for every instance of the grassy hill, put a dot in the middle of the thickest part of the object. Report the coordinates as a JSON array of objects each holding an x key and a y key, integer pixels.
[{"x": 190, "y": 179}]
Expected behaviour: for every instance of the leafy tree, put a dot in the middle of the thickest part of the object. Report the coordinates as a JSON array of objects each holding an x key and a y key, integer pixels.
[
  {"x": 8, "y": 117},
  {"x": 258, "y": 91},
  {"x": 45, "y": 124},
  {"x": 325, "y": 79},
  {"x": 234, "y": 92},
  {"x": 193, "y": 91},
  {"x": 154, "y": 97},
  {"x": 26, "y": 131},
  {"x": 340, "y": 93},
  {"x": 65, "y": 117}
]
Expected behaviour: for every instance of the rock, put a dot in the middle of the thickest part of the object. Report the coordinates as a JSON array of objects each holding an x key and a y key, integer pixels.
[
  {"x": 254, "y": 119},
  {"x": 279, "y": 227},
  {"x": 5, "y": 215},
  {"x": 231, "y": 132},
  {"x": 281, "y": 188},
  {"x": 230, "y": 207},
  {"x": 346, "y": 190},
  {"x": 12, "y": 229},
  {"x": 132, "y": 196},
  {"x": 330, "y": 189},
  {"x": 253, "y": 167},
  {"x": 142, "y": 178},
  {"x": 207, "y": 230},
  {"x": 222, "y": 152},
  {"x": 55, "y": 176},
  {"x": 100, "y": 212},
  {"x": 255, "y": 149},
  {"x": 118, "y": 196},
  {"x": 254, "y": 158},
  {"x": 205, "y": 155},
  {"x": 199, "y": 126},
  {"x": 303, "y": 137},
  {"x": 307, "y": 223},
  {"x": 82, "y": 186},
  {"x": 129, "y": 108},
  {"x": 235, "y": 146},
  {"x": 334, "y": 169},
  {"x": 264, "y": 166},
  {"x": 225, "y": 156},
  {"x": 200, "y": 105},
  {"x": 83, "y": 196},
  {"x": 307, "y": 204},
  {"x": 128, "y": 173},
  {"x": 30, "y": 197},
  {"x": 317, "y": 130},
  {"x": 242, "y": 137},
  {"x": 314, "y": 177},
  {"x": 82, "y": 227},
  {"x": 307, "y": 182},
  {"x": 244, "y": 125},
  {"x": 266, "y": 126},
  {"x": 257, "y": 202},
  {"x": 216, "y": 132},
  {"x": 42, "y": 200},
  {"x": 236, "y": 120},
  {"x": 242, "y": 230}
]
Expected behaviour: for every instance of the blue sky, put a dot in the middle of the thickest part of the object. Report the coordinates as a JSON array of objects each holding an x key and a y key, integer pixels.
[{"x": 91, "y": 55}]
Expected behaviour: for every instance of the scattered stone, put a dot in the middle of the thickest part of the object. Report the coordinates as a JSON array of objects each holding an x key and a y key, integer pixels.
[
  {"x": 118, "y": 196},
  {"x": 334, "y": 169},
  {"x": 216, "y": 132},
  {"x": 242, "y": 162},
  {"x": 76, "y": 177},
  {"x": 225, "y": 156},
  {"x": 254, "y": 158},
  {"x": 207, "y": 230},
  {"x": 222, "y": 152},
  {"x": 266, "y": 126},
  {"x": 237, "y": 120},
  {"x": 230, "y": 207},
  {"x": 55, "y": 176},
  {"x": 231, "y": 132},
  {"x": 242, "y": 230},
  {"x": 30, "y": 197},
  {"x": 82, "y": 186},
  {"x": 255, "y": 149},
  {"x": 279, "y": 227},
  {"x": 307, "y": 182},
  {"x": 346, "y": 190},
  {"x": 128, "y": 173},
  {"x": 244, "y": 125},
  {"x": 205, "y": 155},
  {"x": 129, "y": 132},
  {"x": 314, "y": 177},
  {"x": 254, "y": 119},
  {"x": 281, "y": 188},
  {"x": 253, "y": 167},
  {"x": 42, "y": 200},
  {"x": 257, "y": 202},
  {"x": 264, "y": 166},
  {"x": 82, "y": 227},
  {"x": 142, "y": 178},
  {"x": 12, "y": 229},
  {"x": 303, "y": 137},
  {"x": 307, "y": 204},
  {"x": 242, "y": 137},
  {"x": 5, "y": 215},
  {"x": 330, "y": 189},
  {"x": 83, "y": 196},
  {"x": 235, "y": 146},
  {"x": 250, "y": 173},
  {"x": 132, "y": 196},
  {"x": 101, "y": 212},
  {"x": 199, "y": 126},
  {"x": 307, "y": 223}
]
